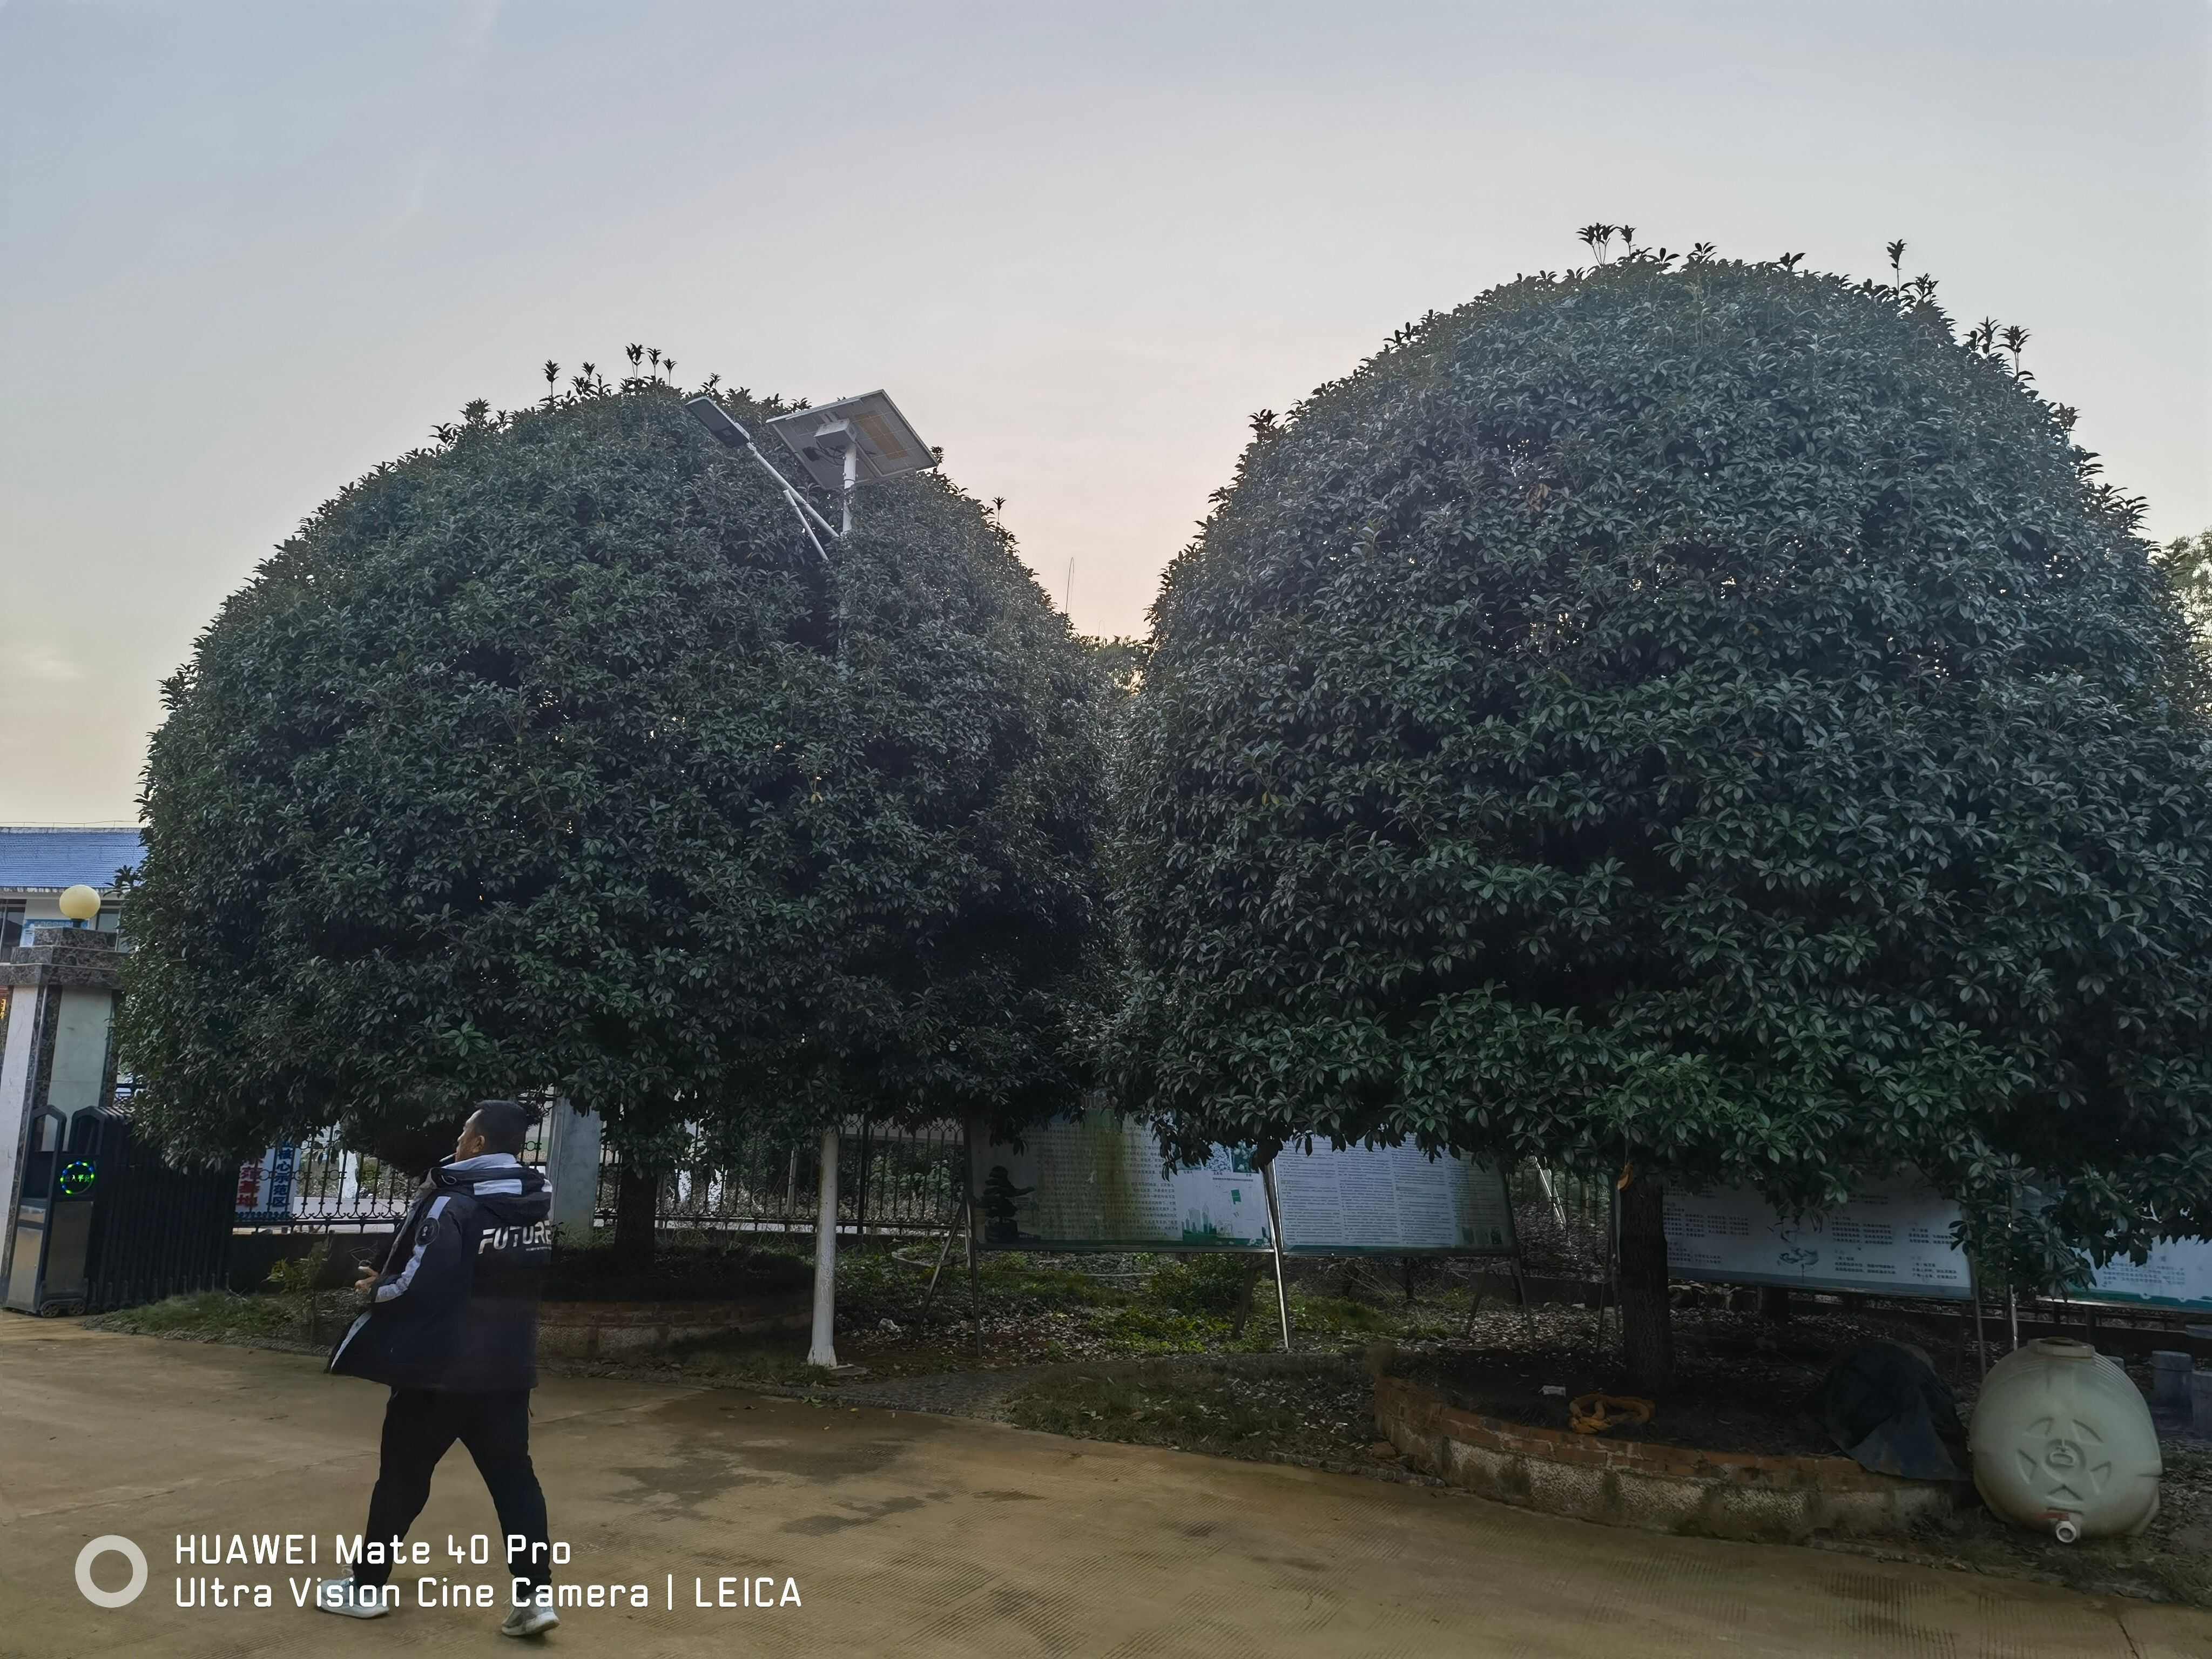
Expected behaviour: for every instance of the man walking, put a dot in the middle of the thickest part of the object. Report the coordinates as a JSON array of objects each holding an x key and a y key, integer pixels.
[{"x": 451, "y": 1325}]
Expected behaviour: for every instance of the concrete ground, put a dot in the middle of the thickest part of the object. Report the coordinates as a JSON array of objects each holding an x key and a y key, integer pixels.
[{"x": 904, "y": 1534}]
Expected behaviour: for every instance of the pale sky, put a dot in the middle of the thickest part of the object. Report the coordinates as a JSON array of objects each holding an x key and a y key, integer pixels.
[{"x": 250, "y": 251}]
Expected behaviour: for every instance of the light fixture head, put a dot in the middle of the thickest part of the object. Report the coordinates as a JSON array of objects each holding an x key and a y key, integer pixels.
[
  {"x": 721, "y": 424},
  {"x": 870, "y": 424},
  {"x": 80, "y": 903}
]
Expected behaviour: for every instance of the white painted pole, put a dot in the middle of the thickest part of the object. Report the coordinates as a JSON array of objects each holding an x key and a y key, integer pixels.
[{"x": 824, "y": 1352}]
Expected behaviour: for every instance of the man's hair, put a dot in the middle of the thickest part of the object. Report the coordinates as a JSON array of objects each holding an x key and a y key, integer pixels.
[{"x": 504, "y": 1124}]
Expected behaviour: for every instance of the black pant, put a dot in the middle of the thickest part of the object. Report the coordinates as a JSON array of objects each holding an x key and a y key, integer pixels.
[{"x": 420, "y": 1424}]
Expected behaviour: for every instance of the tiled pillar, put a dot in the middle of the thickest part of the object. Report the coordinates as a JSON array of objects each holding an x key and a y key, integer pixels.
[{"x": 572, "y": 1164}]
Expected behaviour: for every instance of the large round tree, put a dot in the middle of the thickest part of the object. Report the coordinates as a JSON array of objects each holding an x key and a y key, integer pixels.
[
  {"x": 1701, "y": 717},
  {"x": 555, "y": 757}
]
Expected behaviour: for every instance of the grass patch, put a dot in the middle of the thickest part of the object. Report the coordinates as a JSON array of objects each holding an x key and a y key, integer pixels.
[
  {"x": 1342, "y": 1315},
  {"x": 1056, "y": 1310},
  {"x": 774, "y": 1360},
  {"x": 1326, "y": 1420},
  {"x": 211, "y": 1316}
]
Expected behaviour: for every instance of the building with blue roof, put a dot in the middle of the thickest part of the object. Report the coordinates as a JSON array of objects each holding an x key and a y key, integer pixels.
[{"x": 37, "y": 861}]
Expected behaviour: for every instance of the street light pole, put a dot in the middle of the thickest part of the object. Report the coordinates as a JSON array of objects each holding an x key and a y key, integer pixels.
[
  {"x": 830, "y": 442},
  {"x": 851, "y": 481}
]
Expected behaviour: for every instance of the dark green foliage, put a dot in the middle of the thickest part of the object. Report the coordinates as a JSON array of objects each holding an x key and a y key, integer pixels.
[
  {"x": 532, "y": 763},
  {"x": 1122, "y": 658},
  {"x": 1703, "y": 714},
  {"x": 2186, "y": 564}
]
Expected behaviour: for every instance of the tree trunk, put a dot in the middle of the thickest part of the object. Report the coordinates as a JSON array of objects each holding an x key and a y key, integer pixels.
[
  {"x": 1646, "y": 1321},
  {"x": 637, "y": 1206},
  {"x": 1774, "y": 1304}
]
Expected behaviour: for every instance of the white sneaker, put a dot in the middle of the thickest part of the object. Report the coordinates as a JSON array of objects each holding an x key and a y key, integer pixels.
[
  {"x": 530, "y": 1621},
  {"x": 344, "y": 1597}
]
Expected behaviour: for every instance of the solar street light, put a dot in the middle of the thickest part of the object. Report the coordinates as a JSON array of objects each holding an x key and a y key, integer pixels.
[
  {"x": 725, "y": 429},
  {"x": 842, "y": 445},
  {"x": 852, "y": 441}
]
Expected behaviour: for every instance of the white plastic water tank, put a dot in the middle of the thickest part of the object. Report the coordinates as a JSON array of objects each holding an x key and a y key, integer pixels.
[{"x": 2062, "y": 1443}]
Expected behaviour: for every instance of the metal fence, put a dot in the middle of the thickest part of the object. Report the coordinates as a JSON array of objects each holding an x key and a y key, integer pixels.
[
  {"x": 316, "y": 1184},
  {"x": 890, "y": 1180}
]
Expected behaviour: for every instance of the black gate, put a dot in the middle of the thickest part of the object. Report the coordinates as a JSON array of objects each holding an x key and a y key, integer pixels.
[{"x": 122, "y": 1225}]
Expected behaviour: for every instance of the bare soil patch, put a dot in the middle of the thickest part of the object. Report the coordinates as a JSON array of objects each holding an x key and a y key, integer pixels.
[{"x": 1739, "y": 1386}]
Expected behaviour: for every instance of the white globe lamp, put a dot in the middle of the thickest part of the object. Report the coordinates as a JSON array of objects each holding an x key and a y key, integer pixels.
[{"x": 80, "y": 903}]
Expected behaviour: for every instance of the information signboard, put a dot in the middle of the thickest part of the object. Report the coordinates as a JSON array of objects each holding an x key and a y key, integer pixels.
[
  {"x": 1390, "y": 1201},
  {"x": 1893, "y": 1238},
  {"x": 1095, "y": 1183},
  {"x": 2179, "y": 1274},
  {"x": 264, "y": 1186}
]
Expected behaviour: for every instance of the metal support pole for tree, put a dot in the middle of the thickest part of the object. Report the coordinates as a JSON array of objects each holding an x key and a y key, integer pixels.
[
  {"x": 975, "y": 1285},
  {"x": 861, "y": 1183},
  {"x": 1612, "y": 1270},
  {"x": 945, "y": 1250},
  {"x": 968, "y": 1206},
  {"x": 2012, "y": 1297},
  {"x": 823, "y": 1350},
  {"x": 1974, "y": 1278},
  {"x": 1275, "y": 1238}
]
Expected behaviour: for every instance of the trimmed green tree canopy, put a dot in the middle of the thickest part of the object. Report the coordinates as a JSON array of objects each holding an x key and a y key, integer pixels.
[
  {"x": 1699, "y": 713},
  {"x": 554, "y": 756}
]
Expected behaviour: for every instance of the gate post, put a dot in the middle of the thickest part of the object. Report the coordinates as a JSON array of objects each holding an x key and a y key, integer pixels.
[
  {"x": 572, "y": 1164},
  {"x": 61, "y": 994}
]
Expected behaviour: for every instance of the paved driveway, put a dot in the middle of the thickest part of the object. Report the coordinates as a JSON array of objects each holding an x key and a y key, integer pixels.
[{"x": 903, "y": 1535}]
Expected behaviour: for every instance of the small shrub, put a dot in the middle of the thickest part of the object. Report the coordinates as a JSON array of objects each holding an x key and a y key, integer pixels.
[
  {"x": 1199, "y": 1285},
  {"x": 297, "y": 1277}
]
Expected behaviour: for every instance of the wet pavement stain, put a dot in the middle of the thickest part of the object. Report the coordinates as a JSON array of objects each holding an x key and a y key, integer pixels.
[
  {"x": 1007, "y": 1497},
  {"x": 862, "y": 1515},
  {"x": 781, "y": 1439},
  {"x": 821, "y": 1457},
  {"x": 705, "y": 1469},
  {"x": 700, "y": 1472}
]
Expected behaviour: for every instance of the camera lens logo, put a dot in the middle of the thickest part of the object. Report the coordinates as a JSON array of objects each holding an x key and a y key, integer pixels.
[{"x": 113, "y": 1543}]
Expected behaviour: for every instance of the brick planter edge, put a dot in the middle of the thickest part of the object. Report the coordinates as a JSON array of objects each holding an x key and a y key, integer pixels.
[{"x": 1626, "y": 1483}]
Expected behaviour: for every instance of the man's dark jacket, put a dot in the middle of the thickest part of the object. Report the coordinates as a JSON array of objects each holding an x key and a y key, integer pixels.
[{"x": 455, "y": 1305}]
